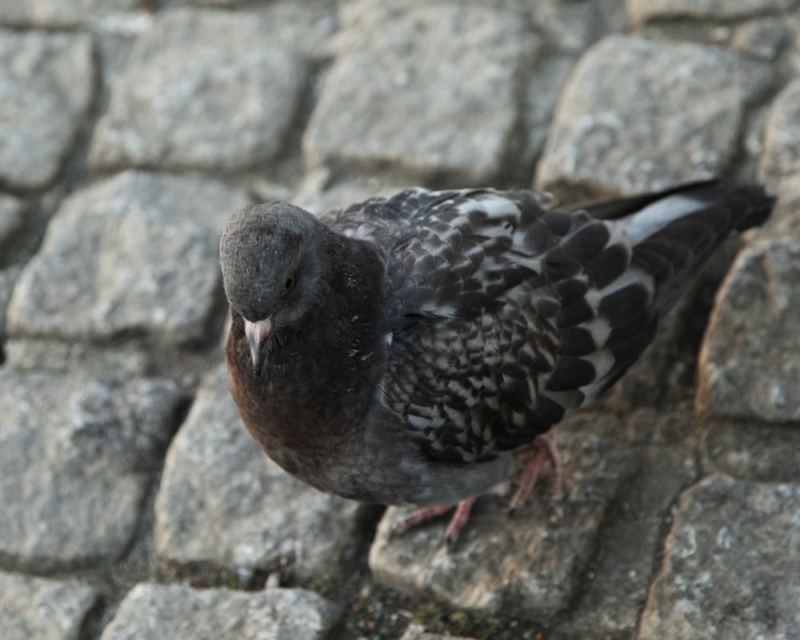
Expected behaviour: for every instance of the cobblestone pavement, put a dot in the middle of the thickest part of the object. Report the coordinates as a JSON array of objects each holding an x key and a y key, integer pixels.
[{"x": 133, "y": 504}]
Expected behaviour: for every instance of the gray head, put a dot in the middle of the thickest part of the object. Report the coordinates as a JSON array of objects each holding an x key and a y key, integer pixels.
[{"x": 270, "y": 256}]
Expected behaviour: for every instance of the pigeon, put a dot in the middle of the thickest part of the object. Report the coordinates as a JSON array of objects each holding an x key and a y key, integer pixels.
[{"x": 403, "y": 350}]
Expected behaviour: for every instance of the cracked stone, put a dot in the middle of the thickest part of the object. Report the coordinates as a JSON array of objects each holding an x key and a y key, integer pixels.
[
  {"x": 133, "y": 255},
  {"x": 46, "y": 86},
  {"x": 639, "y": 114},
  {"x": 202, "y": 89},
  {"x": 72, "y": 454},
  {"x": 396, "y": 95},
  {"x": 749, "y": 364},
  {"x": 243, "y": 511},
  {"x": 529, "y": 566},
  {"x": 41, "y": 608},
  {"x": 732, "y": 565},
  {"x": 155, "y": 611}
]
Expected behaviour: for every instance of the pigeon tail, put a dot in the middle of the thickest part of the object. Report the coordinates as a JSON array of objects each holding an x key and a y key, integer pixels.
[{"x": 658, "y": 245}]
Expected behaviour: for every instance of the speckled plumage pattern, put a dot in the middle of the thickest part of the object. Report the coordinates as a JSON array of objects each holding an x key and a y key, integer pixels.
[{"x": 432, "y": 333}]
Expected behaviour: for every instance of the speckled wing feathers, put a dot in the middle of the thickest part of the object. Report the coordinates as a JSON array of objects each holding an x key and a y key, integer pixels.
[
  {"x": 505, "y": 315},
  {"x": 477, "y": 320}
]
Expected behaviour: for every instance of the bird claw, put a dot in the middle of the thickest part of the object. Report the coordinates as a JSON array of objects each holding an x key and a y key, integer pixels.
[
  {"x": 544, "y": 448},
  {"x": 453, "y": 530}
]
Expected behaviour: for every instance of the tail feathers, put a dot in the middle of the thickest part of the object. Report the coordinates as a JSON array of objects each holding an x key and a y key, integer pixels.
[
  {"x": 746, "y": 197},
  {"x": 674, "y": 243},
  {"x": 626, "y": 286}
]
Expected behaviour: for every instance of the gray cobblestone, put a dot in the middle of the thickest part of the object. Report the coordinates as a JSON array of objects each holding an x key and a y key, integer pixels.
[
  {"x": 394, "y": 96},
  {"x": 638, "y": 114},
  {"x": 154, "y": 271},
  {"x": 750, "y": 361},
  {"x": 71, "y": 486},
  {"x": 155, "y": 612},
  {"x": 202, "y": 89},
  {"x": 696, "y": 595},
  {"x": 40, "y": 608},
  {"x": 46, "y": 86}
]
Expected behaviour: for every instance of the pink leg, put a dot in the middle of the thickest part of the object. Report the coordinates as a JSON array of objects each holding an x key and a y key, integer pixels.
[
  {"x": 423, "y": 514},
  {"x": 544, "y": 448},
  {"x": 457, "y": 522},
  {"x": 459, "y": 519},
  {"x": 418, "y": 516}
]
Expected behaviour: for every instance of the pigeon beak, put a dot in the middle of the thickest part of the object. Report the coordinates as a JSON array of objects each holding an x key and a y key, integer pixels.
[{"x": 257, "y": 334}]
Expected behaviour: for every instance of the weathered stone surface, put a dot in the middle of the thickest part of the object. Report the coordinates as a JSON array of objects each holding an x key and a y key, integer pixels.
[
  {"x": 732, "y": 567},
  {"x": 529, "y": 566},
  {"x": 60, "y": 13},
  {"x": 753, "y": 452},
  {"x": 780, "y": 160},
  {"x": 39, "y": 608},
  {"x": 71, "y": 449},
  {"x": 638, "y": 114},
  {"x": 154, "y": 612},
  {"x": 204, "y": 90},
  {"x": 644, "y": 10},
  {"x": 243, "y": 511},
  {"x": 128, "y": 422},
  {"x": 750, "y": 361},
  {"x": 11, "y": 210},
  {"x": 45, "y": 90},
  {"x": 398, "y": 95},
  {"x": 135, "y": 254}
]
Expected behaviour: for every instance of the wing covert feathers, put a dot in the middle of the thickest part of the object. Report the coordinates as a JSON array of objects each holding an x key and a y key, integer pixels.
[{"x": 506, "y": 315}]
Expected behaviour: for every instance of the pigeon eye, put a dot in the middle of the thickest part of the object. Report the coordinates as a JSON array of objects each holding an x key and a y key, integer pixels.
[{"x": 287, "y": 286}]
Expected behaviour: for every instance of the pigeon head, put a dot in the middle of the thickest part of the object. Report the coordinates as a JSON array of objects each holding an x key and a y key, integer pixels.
[{"x": 270, "y": 256}]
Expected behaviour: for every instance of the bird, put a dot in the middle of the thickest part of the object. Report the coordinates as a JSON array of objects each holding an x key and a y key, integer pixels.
[{"x": 404, "y": 349}]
